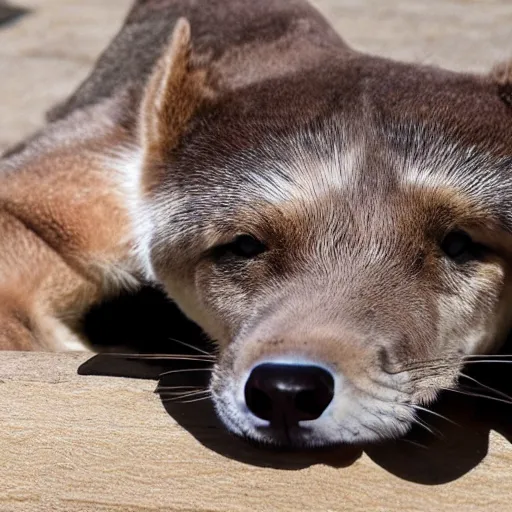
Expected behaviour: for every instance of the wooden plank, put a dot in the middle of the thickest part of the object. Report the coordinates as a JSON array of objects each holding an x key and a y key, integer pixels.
[{"x": 88, "y": 443}]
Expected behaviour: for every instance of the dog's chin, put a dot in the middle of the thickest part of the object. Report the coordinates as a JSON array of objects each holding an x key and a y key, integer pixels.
[
  {"x": 298, "y": 440},
  {"x": 275, "y": 443},
  {"x": 293, "y": 439},
  {"x": 305, "y": 438}
]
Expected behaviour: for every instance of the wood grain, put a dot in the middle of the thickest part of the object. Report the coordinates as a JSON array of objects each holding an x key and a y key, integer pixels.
[{"x": 89, "y": 443}]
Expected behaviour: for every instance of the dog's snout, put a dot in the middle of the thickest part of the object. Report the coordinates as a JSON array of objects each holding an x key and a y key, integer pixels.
[{"x": 285, "y": 394}]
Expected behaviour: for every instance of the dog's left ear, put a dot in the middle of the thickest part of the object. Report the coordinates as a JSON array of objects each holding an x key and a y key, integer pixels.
[
  {"x": 176, "y": 90},
  {"x": 501, "y": 74}
]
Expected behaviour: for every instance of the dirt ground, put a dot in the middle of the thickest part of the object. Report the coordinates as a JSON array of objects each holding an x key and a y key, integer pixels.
[{"x": 45, "y": 54}]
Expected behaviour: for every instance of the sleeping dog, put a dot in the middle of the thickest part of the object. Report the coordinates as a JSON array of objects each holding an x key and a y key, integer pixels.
[{"x": 339, "y": 224}]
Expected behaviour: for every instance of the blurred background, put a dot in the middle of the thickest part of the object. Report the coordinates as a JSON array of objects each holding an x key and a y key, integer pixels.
[{"x": 47, "y": 51}]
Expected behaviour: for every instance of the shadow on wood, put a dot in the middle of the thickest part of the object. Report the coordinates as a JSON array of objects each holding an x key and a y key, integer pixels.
[
  {"x": 10, "y": 13},
  {"x": 452, "y": 440}
]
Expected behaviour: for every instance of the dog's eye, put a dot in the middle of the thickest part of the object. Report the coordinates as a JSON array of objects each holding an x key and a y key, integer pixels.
[
  {"x": 243, "y": 246},
  {"x": 246, "y": 246},
  {"x": 459, "y": 246}
]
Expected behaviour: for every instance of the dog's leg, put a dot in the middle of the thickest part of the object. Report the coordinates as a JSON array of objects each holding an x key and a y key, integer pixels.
[
  {"x": 25, "y": 326},
  {"x": 36, "y": 288},
  {"x": 16, "y": 329}
]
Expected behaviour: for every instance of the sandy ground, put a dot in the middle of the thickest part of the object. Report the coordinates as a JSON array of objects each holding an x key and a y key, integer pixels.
[{"x": 48, "y": 52}]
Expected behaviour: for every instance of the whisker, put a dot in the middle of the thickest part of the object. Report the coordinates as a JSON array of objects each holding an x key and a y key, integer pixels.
[
  {"x": 190, "y": 397},
  {"x": 493, "y": 390},
  {"x": 429, "y": 428},
  {"x": 185, "y": 358},
  {"x": 414, "y": 443},
  {"x": 497, "y": 356},
  {"x": 176, "y": 389},
  {"x": 193, "y": 392},
  {"x": 186, "y": 395},
  {"x": 170, "y": 388},
  {"x": 498, "y": 361},
  {"x": 195, "y": 400},
  {"x": 186, "y": 370},
  {"x": 478, "y": 395},
  {"x": 192, "y": 347},
  {"x": 418, "y": 407},
  {"x": 176, "y": 357}
]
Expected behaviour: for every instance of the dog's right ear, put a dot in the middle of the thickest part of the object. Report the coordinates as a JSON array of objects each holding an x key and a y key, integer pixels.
[
  {"x": 501, "y": 75},
  {"x": 175, "y": 91}
]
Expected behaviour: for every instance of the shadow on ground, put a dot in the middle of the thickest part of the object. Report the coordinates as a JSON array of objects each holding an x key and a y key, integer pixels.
[
  {"x": 456, "y": 441},
  {"x": 9, "y": 14}
]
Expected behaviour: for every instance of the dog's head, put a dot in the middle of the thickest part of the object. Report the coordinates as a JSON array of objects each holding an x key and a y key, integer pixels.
[{"x": 342, "y": 234}]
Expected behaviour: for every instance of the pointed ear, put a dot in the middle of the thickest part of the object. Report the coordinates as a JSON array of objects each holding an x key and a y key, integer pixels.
[
  {"x": 501, "y": 74},
  {"x": 173, "y": 94}
]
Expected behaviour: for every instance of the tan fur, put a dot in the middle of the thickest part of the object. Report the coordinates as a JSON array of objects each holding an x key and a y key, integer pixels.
[
  {"x": 64, "y": 232},
  {"x": 174, "y": 93},
  {"x": 67, "y": 236}
]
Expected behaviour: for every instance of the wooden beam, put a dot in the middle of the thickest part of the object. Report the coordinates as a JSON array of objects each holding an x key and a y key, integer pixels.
[{"x": 88, "y": 443}]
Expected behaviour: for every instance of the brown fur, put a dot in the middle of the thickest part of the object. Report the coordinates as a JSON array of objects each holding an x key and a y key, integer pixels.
[
  {"x": 173, "y": 95},
  {"x": 502, "y": 75},
  {"x": 57, "y": 247}
]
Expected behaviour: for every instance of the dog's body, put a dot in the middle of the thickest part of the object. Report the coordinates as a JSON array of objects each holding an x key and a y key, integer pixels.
[
  {"x": 337, "y": 223},
  {"x": 67, "y": 210}
]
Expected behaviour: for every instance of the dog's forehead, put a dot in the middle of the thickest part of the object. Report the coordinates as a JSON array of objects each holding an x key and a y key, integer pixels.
[
  {"x": 393, "y": 105},
  {"x": 367, "y": 127},
  {"x": 467, "y": 106},
  {"x": 365, "y": 156}
]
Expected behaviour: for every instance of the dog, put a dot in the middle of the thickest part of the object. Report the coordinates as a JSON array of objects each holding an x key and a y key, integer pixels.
[{"x": 339, "y": 224}]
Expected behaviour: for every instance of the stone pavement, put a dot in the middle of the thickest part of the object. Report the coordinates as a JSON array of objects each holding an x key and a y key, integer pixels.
[{"x": 45, "y": 54}]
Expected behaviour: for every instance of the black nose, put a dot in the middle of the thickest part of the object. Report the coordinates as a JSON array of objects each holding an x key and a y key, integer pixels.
[{"x": 285, "y": 394}]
